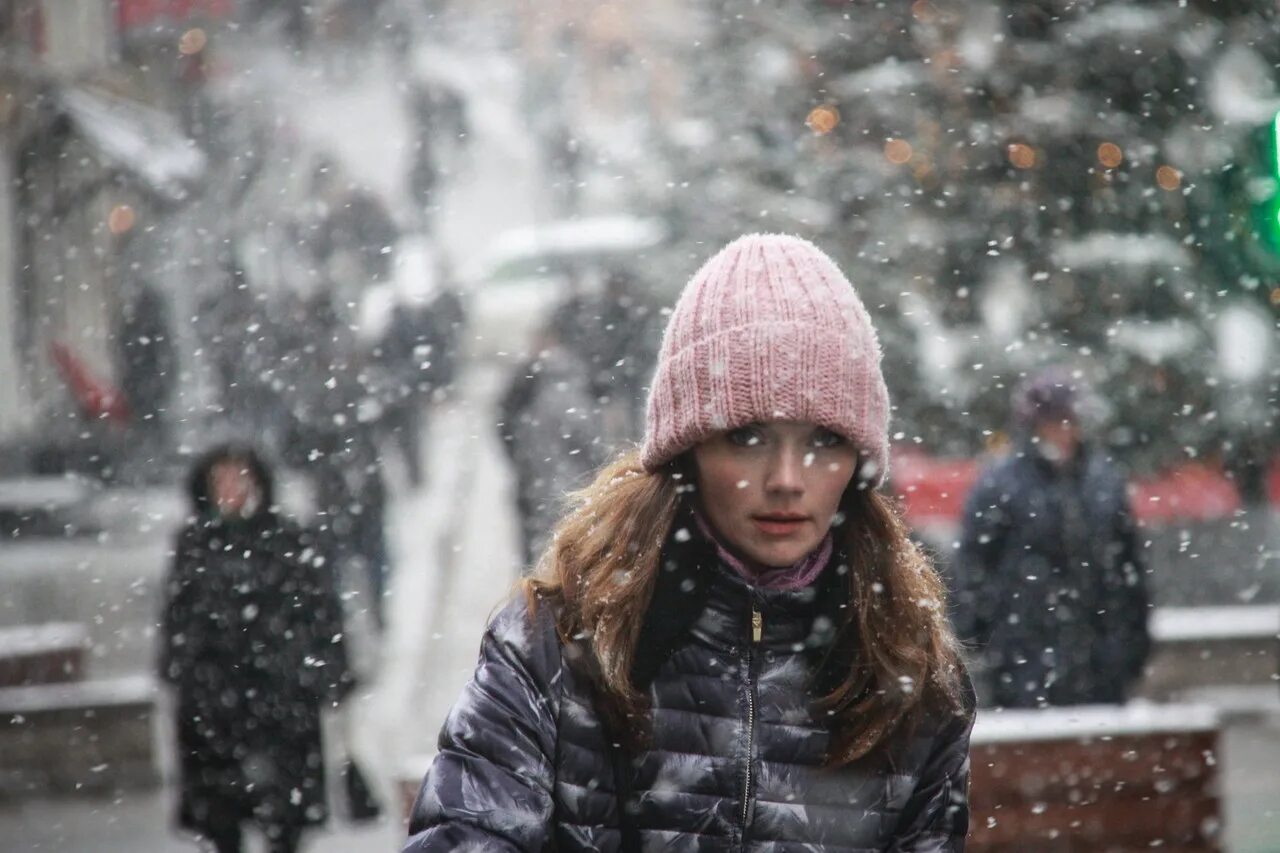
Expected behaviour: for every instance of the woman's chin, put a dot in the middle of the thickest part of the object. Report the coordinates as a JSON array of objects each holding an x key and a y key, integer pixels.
[{"x": 779, "y": 555}]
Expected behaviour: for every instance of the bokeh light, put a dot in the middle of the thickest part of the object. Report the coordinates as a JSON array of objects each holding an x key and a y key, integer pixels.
[
  {"x": 897, "y": 151},
  {"x": 923, "y": 11},
  {"x": 823, "y": 119},
  {"x": 121, "y": 219},
  {"x": 1022, "y": 156},
  {"x": 1168, "y": 178}
]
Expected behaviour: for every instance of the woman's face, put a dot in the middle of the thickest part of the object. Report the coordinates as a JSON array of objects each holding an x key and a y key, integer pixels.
[
  {"x": 771, "y": 490},
  {"x": 234, "y": 489}
]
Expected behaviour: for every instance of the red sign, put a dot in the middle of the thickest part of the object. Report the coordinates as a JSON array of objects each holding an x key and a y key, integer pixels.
[
  {"x": 933, "y": 490},
  {"x": 97, "y": 398},
  {"x": 132, "y": 14}
]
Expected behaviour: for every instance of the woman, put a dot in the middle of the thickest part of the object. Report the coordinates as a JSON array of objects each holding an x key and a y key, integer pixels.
[
  {"x": 730, "y": 643},
  {"x": 252, "y": 642}
]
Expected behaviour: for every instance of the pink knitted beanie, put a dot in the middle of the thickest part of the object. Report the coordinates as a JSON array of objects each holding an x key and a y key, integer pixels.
[{"x": 768, "y": 329}]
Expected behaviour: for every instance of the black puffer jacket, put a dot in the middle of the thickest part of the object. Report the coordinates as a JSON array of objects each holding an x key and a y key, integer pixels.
[
  {"x": 735, "y": 758},
  {"x": 1050, "y": 581}
]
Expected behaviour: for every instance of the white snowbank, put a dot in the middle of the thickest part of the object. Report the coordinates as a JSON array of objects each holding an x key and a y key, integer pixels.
[
  {"x": 1091, "y": 721},
  {"x": 1230, "y": 622},
  {"x": 27, "y": 640}
]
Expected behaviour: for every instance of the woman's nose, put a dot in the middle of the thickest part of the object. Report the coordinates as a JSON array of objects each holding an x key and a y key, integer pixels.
[{"x": 786, "y": 471}]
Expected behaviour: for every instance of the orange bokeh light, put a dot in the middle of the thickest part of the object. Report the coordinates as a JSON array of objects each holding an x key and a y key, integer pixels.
[
  {"x": 923, "y": 11},
  {"x": 823, "y": 119},
  {"x": 1022, "y": 156},
  {"x": 1168, "y": 178},
  {"x": 1110, "y": 155},
  {"x": 897, "y": 151}
]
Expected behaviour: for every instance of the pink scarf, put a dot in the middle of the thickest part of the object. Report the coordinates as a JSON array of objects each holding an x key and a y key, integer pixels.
[{"x": 796, "y": 576}]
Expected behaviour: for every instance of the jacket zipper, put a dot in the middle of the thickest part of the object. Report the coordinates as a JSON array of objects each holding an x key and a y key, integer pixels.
[{"x": 757, "y": 630}]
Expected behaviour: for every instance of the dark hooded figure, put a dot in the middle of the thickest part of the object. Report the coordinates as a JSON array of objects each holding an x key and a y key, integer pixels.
[
  {"x": 251, "y": 640},
  {"x": 1051, "y": 585}
]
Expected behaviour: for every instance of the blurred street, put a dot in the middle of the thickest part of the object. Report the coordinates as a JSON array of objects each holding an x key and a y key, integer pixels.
[
  {"x": 453, "y": 542},
  {"x": 456, "y": 561}
]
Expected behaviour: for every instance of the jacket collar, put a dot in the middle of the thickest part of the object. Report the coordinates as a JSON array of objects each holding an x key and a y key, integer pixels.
[{"x": 695, "y": 595}]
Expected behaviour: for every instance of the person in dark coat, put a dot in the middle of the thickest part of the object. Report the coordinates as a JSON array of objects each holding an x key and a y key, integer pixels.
[
  {"x": 731, "y": 643},
  {"x": 332, "y": 436},
  {"x": 148, "y": 357},
  {"x": 614, "y": 333},
  {"x": 400, "y": 379},
  {"x": 550, "y": 427},
  {"x": 1050, "y": 578},
  {"x": 446, "y": 320},
  {"x": 351, "y": 491},
  {"x": 252, "y": 643},
  {"x": 351, "y": 220},
  {"x": 255, "y": 346}
]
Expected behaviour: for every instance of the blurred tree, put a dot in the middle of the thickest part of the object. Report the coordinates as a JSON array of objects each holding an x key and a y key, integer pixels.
[{"x": 1008, "y": 183}]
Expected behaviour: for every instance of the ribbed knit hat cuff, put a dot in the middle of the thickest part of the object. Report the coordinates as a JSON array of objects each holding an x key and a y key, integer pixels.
[{"x": 799, "y": 373}]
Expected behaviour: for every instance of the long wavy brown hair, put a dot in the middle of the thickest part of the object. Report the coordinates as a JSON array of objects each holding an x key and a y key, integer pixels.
[{"x": 602, "y": 564}]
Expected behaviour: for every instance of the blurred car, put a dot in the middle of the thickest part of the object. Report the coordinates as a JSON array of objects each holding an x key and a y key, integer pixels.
[{"x": 527, "y": 272}]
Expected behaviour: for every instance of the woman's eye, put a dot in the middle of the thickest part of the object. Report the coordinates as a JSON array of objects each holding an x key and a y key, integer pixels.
[
  {"x": 743, "y": 437},
  {"x": 827, "y": 438}
]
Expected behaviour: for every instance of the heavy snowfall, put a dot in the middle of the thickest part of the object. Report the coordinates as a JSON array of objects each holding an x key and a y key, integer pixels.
[{"x": 404, "y": 267}]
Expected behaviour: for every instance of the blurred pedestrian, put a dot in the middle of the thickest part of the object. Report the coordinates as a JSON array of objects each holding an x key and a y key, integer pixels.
[
  {"x": 614, "y": 332},
  {"x": 352, "y": 233},
  {"x": 424, "y": 178},
  {"x": 401, "y": 384},
  {"x": 352, "y": 506},
  {"x": 255, "y": 344},
  {"x": 446, "y": 320},
  {"x": 334, "y": 425},
  {"x": 252, "y": 642},
  {"x": 148, "y": 360},
  {"x": 345, "y": 466},
  {"x": 1050, "y": 578},
  {"x": 438, "y": 111},
  {"x": 730, "y": 643},
  {"x": 563, "y": 155},
  {"x": 550, "y": 428}
]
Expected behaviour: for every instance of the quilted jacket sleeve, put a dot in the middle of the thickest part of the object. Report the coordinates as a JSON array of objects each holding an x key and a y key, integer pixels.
[
  {"x": 936, "y": 816},
  {"x": 490, "y": 786}
]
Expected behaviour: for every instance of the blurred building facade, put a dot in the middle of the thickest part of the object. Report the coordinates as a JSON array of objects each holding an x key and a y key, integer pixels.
[{"x": 97, "y": 162}]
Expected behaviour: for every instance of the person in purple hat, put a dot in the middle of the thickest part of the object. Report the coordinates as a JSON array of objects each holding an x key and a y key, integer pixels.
[
  {"x": 730, "y": 641},
  {"x": 1051, "y": 586}
]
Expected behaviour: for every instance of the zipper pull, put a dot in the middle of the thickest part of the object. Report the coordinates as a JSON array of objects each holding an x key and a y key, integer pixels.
[{"x": 757, "y": 625}]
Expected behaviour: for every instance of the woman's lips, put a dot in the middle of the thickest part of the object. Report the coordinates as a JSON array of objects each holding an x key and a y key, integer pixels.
[{"x": 777, "y": 526}]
